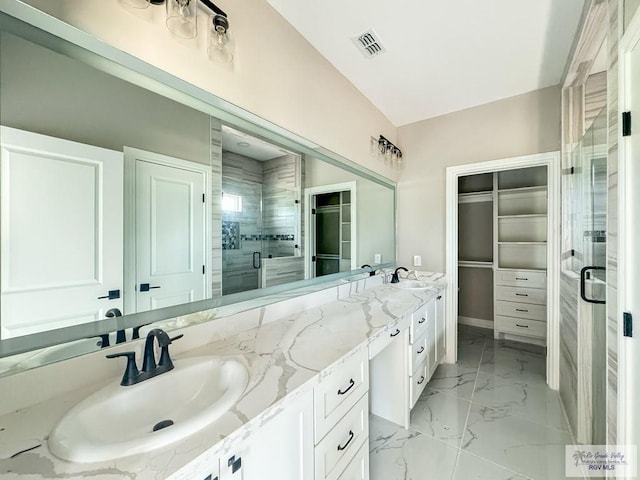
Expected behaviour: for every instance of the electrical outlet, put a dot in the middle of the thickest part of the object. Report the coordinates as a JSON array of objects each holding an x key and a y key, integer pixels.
[
  {"x": 417, "y": 261},
  {"x": 377, "y": 258}
]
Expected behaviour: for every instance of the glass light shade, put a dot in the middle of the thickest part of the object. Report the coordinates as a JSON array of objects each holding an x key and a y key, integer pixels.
[
  {"x": 136, "y": 3},
  {"x": 219, "y": 48},
  {"x": 182, "y": 17}
]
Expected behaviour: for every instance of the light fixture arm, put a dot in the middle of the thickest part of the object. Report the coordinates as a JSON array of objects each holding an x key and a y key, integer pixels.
[{"x": 213, "y": 7}]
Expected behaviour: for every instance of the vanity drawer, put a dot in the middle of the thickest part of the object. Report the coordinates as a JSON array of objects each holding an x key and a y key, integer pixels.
[
  {"x": 417, "y": 381},
  {"x": 339, "y": 391},
  {"x": 384, "y": 339},
  {"x": 358, "y": 469},
  {"x": 536, "y": 296},
  {"x": 521, "y": 310},
  {"x": 521, "y": 326},
  {"x": 421, "y": 319},
  {"x": 521, "y": 278},
  {"x": 340, "y": 446},
  {"x": 419, "y": 352}
]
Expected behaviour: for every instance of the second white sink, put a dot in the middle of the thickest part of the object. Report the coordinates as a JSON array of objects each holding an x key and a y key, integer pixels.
[
  {"x": 118, "y": 421},
  {"x": 411, "y": 285}
]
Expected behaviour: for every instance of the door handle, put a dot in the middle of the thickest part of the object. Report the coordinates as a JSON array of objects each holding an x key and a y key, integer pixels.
[
  {"x": 257, "y": 260},
  {"x": 583, "y": 281},
  {"x": 112, "y": 295},
  {"x": 144, "y": 287}
]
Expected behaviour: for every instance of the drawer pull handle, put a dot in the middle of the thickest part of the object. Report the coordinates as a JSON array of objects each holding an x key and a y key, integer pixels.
[
  {"x": 522, "y": 326},
  {"x": 421, "y": 350},
  {"x": 522, "y": 278},
  {"x": 421, "y": 379},
  {"x": 422, "y": 320},
  {"x": 397, "y": 332},
  {"x": 522, "y": 310},
  {"x": 522, "y": 294},
  {"x": 342, "y": 447},
  {"x": 351, "y": 384}
]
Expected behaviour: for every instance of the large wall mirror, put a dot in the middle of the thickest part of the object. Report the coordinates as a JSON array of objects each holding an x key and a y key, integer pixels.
[{"x": 120, "y": 205}]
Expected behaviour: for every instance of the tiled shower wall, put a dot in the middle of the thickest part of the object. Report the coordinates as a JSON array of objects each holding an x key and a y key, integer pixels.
[{"x": 243, "y": 177}]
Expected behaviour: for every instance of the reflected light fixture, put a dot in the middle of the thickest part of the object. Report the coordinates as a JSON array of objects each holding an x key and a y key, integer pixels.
[{"x": 385, "y": 151}]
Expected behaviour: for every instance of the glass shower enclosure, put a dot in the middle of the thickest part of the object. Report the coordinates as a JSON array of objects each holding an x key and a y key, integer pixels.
[{"x": 587, "y": 217}]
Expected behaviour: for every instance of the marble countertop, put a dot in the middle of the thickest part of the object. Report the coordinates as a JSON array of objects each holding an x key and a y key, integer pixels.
[{"x": 284, "y": 358}]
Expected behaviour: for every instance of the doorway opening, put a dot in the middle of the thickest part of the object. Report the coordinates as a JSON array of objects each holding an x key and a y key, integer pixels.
[{"x": 332, "y": 229}]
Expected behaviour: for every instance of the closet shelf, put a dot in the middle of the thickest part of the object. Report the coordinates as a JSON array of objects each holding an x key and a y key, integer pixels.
[
  {"x": 522, "y": 243},
  {"x": 524, "y": 215},
  {"x": 475, "y": 264},
  {"x": 541, "y": 188}
]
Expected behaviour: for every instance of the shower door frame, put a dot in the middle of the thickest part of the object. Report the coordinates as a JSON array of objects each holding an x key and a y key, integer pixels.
[{"x": 551, "y": 160}]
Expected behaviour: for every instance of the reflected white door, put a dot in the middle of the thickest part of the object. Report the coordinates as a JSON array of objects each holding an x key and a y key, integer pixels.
[
  {"x": 170, "y": 234},
  {"x": 61, "y": 246}
]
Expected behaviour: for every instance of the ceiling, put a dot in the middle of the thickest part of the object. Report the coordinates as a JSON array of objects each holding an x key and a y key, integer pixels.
[
  {"x": 441, "y": 55},
  {"x": 243, "y": 144}
]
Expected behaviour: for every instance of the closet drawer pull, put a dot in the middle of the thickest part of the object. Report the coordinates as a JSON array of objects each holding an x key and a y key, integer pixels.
[
  {"x": 522, "y": 294},
  {"x": 522, "y": 310},
  {"x": 522, "y": 278},
  {"x": 522, "y": 326}
]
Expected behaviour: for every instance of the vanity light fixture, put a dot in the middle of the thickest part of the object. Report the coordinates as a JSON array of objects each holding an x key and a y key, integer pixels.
[
  {"x": 182, "y": 20},
  {"x": 387, "y": 152}
]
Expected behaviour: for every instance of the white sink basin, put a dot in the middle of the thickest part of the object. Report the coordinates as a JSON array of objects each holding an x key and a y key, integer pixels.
[
  {"x": 411, "y": 285},
  {"x": 118, "y": 421}
]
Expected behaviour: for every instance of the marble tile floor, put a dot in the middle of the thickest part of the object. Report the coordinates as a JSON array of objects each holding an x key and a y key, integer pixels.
[{"x": 491, "y": 416}]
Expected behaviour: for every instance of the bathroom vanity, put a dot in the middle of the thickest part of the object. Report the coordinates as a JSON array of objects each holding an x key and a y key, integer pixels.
[{"x": 317, "y": 365}]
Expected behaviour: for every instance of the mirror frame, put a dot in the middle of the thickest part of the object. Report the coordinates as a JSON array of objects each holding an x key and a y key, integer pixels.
[{"x": 34, "y": 25}]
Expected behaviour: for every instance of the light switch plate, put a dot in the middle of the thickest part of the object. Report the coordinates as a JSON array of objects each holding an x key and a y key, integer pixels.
[
  {"x": 377, "y": 258},
  {"x": 417, "y": 261}
]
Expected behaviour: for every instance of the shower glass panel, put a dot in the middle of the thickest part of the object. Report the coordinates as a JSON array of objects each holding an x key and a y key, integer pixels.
[{"x": 588, "y": 185}]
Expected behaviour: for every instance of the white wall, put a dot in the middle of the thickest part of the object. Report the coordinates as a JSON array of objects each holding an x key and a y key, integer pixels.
[
  {"x": 520, "y": 125},
  {"x": 276, "y": 73},
  {"x": 374, "y": 209}
]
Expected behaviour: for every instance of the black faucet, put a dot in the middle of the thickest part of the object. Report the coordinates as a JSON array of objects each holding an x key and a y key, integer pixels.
[
  {"x": 149, "y": 367},
  {"x": 372, "y": 273},
  {"x": 394, "y": 277}
]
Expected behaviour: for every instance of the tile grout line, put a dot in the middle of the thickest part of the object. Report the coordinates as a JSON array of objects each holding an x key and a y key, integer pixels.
[{"x": 466, "y": 422}]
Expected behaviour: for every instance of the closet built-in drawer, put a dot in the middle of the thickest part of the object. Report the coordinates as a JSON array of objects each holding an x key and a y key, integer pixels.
[
  {"x": 384, "y": 339},
  {"x": 334, "y": 453},
  {"x": 521, "y": 326},
  {"x": 521, "y": 278},
  {"x": 417, "y": 382},
  {"x": 537, "y": 296},
  {"x": 358, "y": 469},
  {"x": 339, "y": 391},
  {"x": 419, "y": 352},
  {"x": 521, "y": 310}
]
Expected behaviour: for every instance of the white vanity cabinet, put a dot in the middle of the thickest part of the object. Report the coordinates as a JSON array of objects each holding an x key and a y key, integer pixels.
[
  {"x": 281, "y": 449},
  {"x": 341, "y": 404}
]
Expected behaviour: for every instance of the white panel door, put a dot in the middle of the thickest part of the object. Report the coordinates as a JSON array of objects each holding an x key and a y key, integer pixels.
[
  {"x": 170, "y": 235},
  {"x": 61, "y": 220}
]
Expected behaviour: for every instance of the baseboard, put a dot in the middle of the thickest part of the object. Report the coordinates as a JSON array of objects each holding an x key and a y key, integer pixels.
[{"x": 476, "y": 322}]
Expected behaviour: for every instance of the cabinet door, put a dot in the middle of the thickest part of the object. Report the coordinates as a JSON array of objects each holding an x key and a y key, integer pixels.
[
  {"x": 440, "y": 326},
  {"x": 281, "y": 449}
]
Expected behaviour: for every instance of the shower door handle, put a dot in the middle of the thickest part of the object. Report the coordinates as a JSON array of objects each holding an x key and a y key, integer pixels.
[
  {"x": 584, "y": 274},
  {"x": 257, "y": 259}
]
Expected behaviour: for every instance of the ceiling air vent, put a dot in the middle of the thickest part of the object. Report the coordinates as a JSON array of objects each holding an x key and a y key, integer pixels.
[{"x": 369, "y": 44}]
